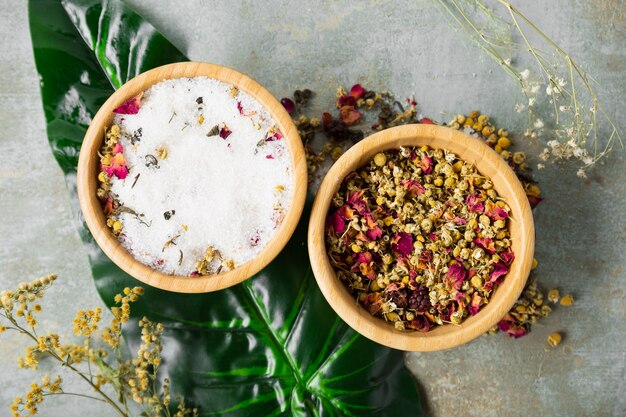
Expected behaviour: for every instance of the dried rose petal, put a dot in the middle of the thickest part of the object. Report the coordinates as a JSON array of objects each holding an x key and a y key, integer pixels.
[
  {"x": 349, "y": 116},
  {"x": 517, "y": 332},
  {"x": 118, "y": 148},
  {"x": 345, "y": 212},
  {"x": 499, "y": 269},
  {"x": 288, "y": 104},
  {"x": 269, "y": 156},
  {"x": 474, "y": 203},
  {"x": 374, "y": 303},
  {"x": 508, "y": 256},
  {"x": 225, "y": 132},
  {"x": 496, "y": 213},
  {"x": 446, "y": 312},
  {"x": 504, "y": 325},
  {"x": 426, "y": 120},
  {"x": 274, "y": 137},
  {"x": 413, "y": 187},
  {"x": 420, "y": 323},
  {"x": 357, "y": 91},
  {"x": 425, "y": 324},
  {"x": 403, "y": 243},
  {"x": 459, "y": 220},
  {"x": 393, "y": 287},
  {"x": 487, "y": 244},
  {"x": 355, "y": 196},
  {"x": 508, "y": 325},
  {"x": 374, "y": 233},
  {"x": 356, "y": 201},
  {"x": 426, "y": 256},
  {"x": 456, "y": 276},
  {"x": 243, "y": 112},
  {"x": 475, "y": 304},
  {"x": 121, "y": 172},
  {"x": 459, "y": 297},
  {"x": 335, "y": 223},
  {"x": 130, "y": 106},
  {"x": 364, "y": 258},
  {"x": 117, "y": 167},
  {"x": 427, "y": 165},
  {"x": 344, "y": 101}
]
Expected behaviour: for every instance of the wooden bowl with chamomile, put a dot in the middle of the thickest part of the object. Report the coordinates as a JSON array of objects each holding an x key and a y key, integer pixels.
[
  {"x": 89, "y": 164},
  {"x": 488, "y": 163}
]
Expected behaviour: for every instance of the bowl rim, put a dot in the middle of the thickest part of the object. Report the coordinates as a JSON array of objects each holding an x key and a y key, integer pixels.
[
  {"x": 490, "y": 164},
  {"x": 87, "y": 179}
]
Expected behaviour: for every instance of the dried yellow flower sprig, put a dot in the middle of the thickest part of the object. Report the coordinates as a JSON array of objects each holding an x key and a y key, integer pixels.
[
  {"x": 35, "y": 395},
  {"x": 133, "y": 378}
]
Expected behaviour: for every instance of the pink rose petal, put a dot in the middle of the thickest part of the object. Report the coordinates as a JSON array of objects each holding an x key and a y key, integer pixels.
[
  {"x": 413, "y": 187},
  {"x": 403, "y": 244},
  {"x": 357, "y": 91},
  {"x": 130, "y": 106}
]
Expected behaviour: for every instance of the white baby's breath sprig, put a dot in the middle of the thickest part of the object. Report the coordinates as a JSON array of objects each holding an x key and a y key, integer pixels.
[{"x": 561, "y": 91}]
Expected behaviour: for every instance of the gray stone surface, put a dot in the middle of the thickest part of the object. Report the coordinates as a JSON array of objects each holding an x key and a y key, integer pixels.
[{"x": 406, "y": 47}]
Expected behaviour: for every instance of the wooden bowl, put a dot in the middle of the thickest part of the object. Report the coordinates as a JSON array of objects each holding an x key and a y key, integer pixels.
[
  {"x": 488, "y": 163},
  {"x": 88, "y": 164}
]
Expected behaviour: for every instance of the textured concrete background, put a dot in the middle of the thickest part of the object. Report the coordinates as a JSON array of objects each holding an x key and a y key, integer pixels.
[{"x": 406, "y": 47}]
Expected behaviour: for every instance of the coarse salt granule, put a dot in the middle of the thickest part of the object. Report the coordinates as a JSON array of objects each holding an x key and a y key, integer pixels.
[{"x": 207, "y": 168}]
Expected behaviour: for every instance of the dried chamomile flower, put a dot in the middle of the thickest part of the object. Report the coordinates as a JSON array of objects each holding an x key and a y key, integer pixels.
[
  {"x": 567, "y": 300},
  {"x": 553, "y": 295},
  {"x": 554, "y": 339}
]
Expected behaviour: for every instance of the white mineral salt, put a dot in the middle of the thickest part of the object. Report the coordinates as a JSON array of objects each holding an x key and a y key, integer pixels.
[{"x": 216, "y": 192}]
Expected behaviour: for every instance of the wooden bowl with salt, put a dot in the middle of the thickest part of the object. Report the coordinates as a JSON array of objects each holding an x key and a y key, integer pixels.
[
  {"x": 89, "y": 168},
  {"x": 521, "y": 227}
]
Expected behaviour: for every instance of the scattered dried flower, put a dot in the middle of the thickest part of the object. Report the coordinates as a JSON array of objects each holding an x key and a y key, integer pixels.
[
  {"x": 554, "y": 339},
  {"x": 567, "y": 300}
]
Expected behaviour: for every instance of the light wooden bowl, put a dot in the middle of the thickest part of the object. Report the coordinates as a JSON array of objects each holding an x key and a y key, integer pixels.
[
  {"x": 88, "y": 163},
  {"x": 506, "y": 184}
]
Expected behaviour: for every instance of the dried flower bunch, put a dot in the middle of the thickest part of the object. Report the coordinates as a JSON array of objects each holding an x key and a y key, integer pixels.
[
  {"x": 420, "y": 237},
  {"x": 131, "y": 379}
]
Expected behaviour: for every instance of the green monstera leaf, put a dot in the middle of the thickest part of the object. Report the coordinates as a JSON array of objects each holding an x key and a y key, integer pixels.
[{"x": 270, "y": 346}]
